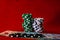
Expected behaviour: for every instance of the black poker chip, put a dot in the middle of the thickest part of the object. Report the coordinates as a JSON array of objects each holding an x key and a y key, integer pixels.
[
  {"x": 18, "y": 35},
  {"x": 26, "y": 35},
  {"x": 39, "y": 35},
  {"x": 12, "y": 35}
]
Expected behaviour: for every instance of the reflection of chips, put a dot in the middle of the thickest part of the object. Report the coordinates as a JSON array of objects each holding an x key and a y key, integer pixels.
[{"x": 52, "y": 36}]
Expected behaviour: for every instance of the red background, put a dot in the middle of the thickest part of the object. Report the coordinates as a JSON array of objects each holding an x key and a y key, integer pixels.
[{"x": 11, "y": 14}]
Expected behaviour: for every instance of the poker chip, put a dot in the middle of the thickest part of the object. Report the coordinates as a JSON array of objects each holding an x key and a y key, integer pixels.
[
  {"x": 25, "y": 16},
  {"x": 12, "y": 35},
  {"x": 32, "y": 23},
  {"x": 27, "y": 22},
  {"x": 28, "y": 30},
  {"x": 39, "y": 20},
  {"x": 18, "y": 34},
  {"x": 24, "y": 35},
  {"x": 37, "y": 24},
  {"x": 27, "y": 25}
]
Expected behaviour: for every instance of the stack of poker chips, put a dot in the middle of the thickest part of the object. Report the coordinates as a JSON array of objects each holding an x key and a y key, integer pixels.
[
  {"x": 31, "y": 24},
  {"x": 32, "y": 27},
  {"x": 27, "y": 25},
  {"x": 37, "y": 25}
]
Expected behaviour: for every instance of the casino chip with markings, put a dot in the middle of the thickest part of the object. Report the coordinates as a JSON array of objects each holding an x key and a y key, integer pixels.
[
  {"x": 27, "y": 25},
  {"x": 37, "y": 24}
]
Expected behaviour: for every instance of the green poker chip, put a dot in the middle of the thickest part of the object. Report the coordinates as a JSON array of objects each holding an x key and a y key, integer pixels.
[
  {"x": 27, "y": 25},
  {"x": 28, "y": 30},
  {"x": 25, "y": 16},
  {"x": 27, "y": 22},
  {"x": 27, "y": 19}
]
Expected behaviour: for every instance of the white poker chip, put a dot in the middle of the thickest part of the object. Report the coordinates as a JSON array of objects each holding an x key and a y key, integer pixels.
[
  {"x": 37, "y": 24},
  {"x": 37, "y": 28},
  {"x": 38, "y": 20}
]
